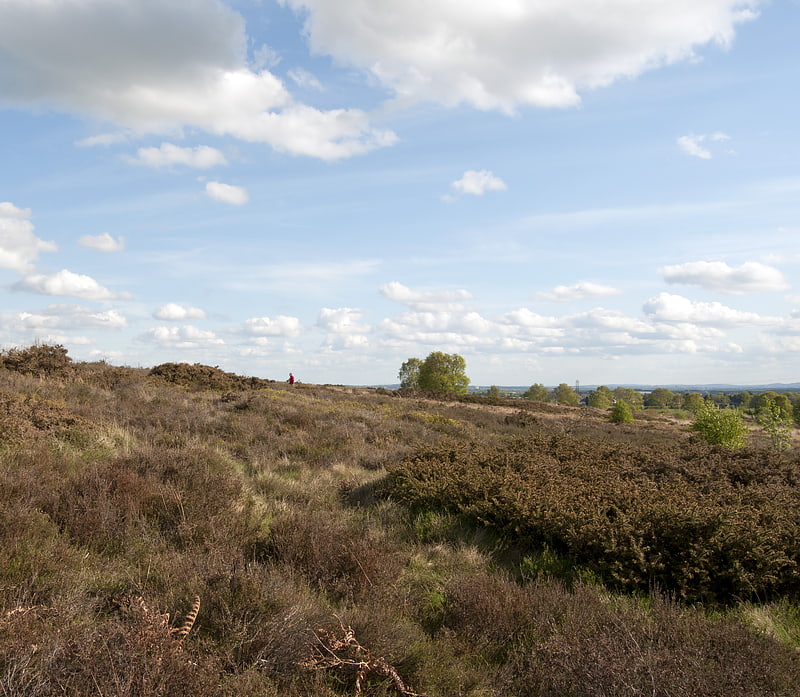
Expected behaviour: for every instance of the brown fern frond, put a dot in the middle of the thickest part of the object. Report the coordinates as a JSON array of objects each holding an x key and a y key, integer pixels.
[{"x": 180, "y": 633}]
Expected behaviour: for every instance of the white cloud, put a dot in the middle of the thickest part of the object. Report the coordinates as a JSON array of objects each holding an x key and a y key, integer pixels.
[
  {"x": 186, "y": 336},
  {"x": 175, "y": 312},
  {"x": 675, "y": 308},
  {"x": 200, "y": 157},
  {"x": 477, "y": 183},
  {"x": 19, "y": 247},
  {"x": 303, "y": 78},
  {"x": 530, "y": 320},
  {"x": 579, "y": 291},
  {"x": 425, "y": 300},
  {"x": 342, "y": 320},
  {"x": 508, "y": 53},
  {"x": 103, "y": 139},
  {"x": 604, "y": 320},
  {"x": 227, "y": 193},
  {"x": 86, "y": 58},
  {"x": 63, "y": 317},
  {"x": 278, "y": 326},
  {"x": 67, "y": 283},
  {"x": 103, "y": 243},
  {"x": 750, "y": 277},
  {"x": 691, "y": 144}
]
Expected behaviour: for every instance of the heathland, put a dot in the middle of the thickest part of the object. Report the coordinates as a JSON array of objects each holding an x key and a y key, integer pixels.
[{"x": 186, "y": 531}]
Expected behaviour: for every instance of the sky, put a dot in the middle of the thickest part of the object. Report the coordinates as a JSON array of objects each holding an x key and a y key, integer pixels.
[{"x": 557, "y": 190}]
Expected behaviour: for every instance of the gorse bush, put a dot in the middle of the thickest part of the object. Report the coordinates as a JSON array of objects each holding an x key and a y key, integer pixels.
[
  {"x": 634, "y": 517},
  {"x": 39, "y": 360}
]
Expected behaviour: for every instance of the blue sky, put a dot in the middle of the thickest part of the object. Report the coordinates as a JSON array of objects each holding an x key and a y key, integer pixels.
[{"x": 557, "y": 190}]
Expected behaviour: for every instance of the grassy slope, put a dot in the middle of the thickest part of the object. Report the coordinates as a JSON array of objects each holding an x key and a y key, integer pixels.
[{"x": 281, "y": 509}]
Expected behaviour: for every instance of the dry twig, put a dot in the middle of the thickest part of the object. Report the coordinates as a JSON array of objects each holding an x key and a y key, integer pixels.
[{"x": 345, "y": 652}]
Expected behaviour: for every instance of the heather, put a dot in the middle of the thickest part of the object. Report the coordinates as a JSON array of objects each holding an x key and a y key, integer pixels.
[{"x": 346, "y": 541}]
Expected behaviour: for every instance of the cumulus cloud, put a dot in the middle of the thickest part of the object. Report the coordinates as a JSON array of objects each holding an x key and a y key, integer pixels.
[
  {"x": 19, "y": 247},
  {"x": 86, "y": 58},
  {"x": 675, "y": 308},
  {"x": 579, "y": 291},
  {"x": 67, "y": 283},
  {"x": 277, "y": 326},
  {"x": 103, "y": 243},
  {"x": 342, "y": 320},
  {"x": 477, "y": 183},
  {"x": 175, "y": 312},
  {"x": 63, "y": 317},
  {"x": 227, "y": 193},
  {"x": 186, "y": 336},
  {"x": 750, "y": 277},
  {"x": 425, "y": 300},
  {"x": 508, "y": 53},
  {"x": 691, "y": 144},
  {"x": 167, "y": 155}
]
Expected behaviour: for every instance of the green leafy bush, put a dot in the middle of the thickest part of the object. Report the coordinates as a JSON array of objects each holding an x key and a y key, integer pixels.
[
  {"x": 720, "y": 426},
  {"x": 621, "y": 413},
  {"x": 776, "y": 421}
]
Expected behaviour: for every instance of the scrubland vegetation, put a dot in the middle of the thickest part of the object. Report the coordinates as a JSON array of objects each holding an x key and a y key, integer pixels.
[{"x": 350, "y": 541}]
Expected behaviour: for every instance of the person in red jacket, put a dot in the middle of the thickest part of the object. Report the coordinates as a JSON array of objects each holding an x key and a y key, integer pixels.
[{"x": 291, "y": 379}]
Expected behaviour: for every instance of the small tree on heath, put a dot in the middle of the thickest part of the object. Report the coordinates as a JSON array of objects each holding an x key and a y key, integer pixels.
[
  {"x": 537, "y": 393},
  {"x": 601, "y": 398},
  {"x": 564, "y": 394},
  {"x": 720, "y": 426},
  {"x": 776, "y": 422},
  {"x": 439, "y": 372},
  {"x": 621, "y": 413},
  {"x": 409, "y": 373}
]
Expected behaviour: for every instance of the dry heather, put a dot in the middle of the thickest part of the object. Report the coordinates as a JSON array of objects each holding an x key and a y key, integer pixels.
[{"x": 351, "y": 541}]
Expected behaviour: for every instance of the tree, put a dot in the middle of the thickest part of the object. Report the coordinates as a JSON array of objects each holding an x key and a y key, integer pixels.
[
  {"x": 494, "y": 393},
  {"x": 659, "y": 398},
  {"x": 443, "y": 372},
  {"x": 720, "y": 426},
  {"x": 564, "y": 394},
  {"x": 537, "y": 393},
  {"x": 409, "y": 373},
  {"x": 632, "y": 397},
  {"x": 601, "y": 398},
  {"x": 693, "y": 401},
  {"x": 776, "y": 422},
  {"x": 621, "y": 413},
  {"x": 781, "y": 401},
  {"x": 721, "y": 399}
]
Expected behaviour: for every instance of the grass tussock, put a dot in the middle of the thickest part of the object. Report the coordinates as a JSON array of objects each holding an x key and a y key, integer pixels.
[{"x": 345, "y": 541}]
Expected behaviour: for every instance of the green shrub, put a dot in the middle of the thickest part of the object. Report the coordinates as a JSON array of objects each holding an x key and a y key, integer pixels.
[
  {"x": 720, "y": 426},
  {"x": 776, "y": 421},
  {"x": 621, "y": 413}
]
